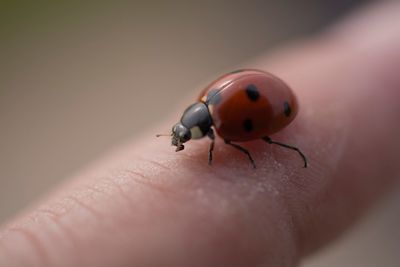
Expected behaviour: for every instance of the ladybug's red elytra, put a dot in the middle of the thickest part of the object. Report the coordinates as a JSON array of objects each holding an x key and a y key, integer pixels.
[{"x": 242, "y": 105}]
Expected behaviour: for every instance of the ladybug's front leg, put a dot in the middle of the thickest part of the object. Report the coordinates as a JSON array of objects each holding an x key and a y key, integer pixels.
[{"x": 211, "y": 135}]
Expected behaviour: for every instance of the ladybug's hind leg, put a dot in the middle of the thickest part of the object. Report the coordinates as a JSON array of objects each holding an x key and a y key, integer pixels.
[
  {"x": 242, "y": 149},
  {"x": 270, "y": 141},
  {"x": 211, "y": 135}
]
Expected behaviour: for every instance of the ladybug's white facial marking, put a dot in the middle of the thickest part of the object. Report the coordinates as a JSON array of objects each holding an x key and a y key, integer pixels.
[
  {"x": 180, "y": 135},
  {"x": 196, "y": 132}
]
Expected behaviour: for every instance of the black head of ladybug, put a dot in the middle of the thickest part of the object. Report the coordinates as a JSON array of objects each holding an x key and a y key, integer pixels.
[{"x": 180, "y": 135}]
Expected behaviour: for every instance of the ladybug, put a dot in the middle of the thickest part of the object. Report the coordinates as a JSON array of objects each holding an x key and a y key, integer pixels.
[{"x": 240, "y": 106}]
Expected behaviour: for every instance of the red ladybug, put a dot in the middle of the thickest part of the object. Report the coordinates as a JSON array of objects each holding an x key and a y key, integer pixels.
[{"x": 241, "y": 106}]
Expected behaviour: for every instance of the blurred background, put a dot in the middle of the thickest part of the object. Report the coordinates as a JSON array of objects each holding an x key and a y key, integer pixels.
[{"x": 77, "y": 78}]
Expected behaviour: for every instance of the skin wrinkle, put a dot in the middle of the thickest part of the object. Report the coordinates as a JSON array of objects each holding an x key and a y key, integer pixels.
[
  {"x": 34, "y": 242},
  {"x": 114, "y": 183},
  {"x": 158, "y": 164},
  {"x": 71, "y": 240},
  {"x": 66, "y": 233},
  {"x": 155, "y": 186},
  {"x": 60, "y": 208},
  {"x": 195, "y": 163},
  {"x": 172, "y": 171},
  {"x": 172, "y": 164},
  {"x": 148, "y": 182},
  {"x": 38, "y": 219},
  {"x": 99, "y": 187},
  {"x": 138, "y": 172},
  {"x": 85, "y": 206},
  {"x": 74, "y": 199},
  {"x": 48, "y": 212},
  {"x": 113, "y": 180}
]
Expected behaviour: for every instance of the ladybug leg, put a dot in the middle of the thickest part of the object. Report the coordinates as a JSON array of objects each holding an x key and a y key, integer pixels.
[
  {"x": 242, "y": 149},
  {"x": 211, "y": 135},
  {"x": 270, "y": 141}
]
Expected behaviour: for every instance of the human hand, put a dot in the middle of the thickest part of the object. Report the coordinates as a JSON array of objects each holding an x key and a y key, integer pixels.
[{"x": 146, "y": 205}]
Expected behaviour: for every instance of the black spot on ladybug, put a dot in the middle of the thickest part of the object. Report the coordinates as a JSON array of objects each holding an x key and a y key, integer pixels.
[
  {"x": 248, "y": 125},
  {"x": 213, "y": 97},
  {"x": 236, "y": 71},
  {"x": 287, "y": 109},
  {"x": 252, "y": 92}
]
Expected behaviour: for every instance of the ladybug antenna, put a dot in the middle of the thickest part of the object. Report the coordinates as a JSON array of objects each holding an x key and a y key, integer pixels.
[{"x": 158, "y": 135}]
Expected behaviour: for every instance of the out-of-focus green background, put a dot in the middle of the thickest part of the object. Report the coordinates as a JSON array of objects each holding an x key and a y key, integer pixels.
[{"x": 77, "y": 78}]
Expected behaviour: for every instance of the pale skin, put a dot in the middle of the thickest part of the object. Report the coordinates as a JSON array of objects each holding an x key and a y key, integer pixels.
[{"x": 145, "y": 205}]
